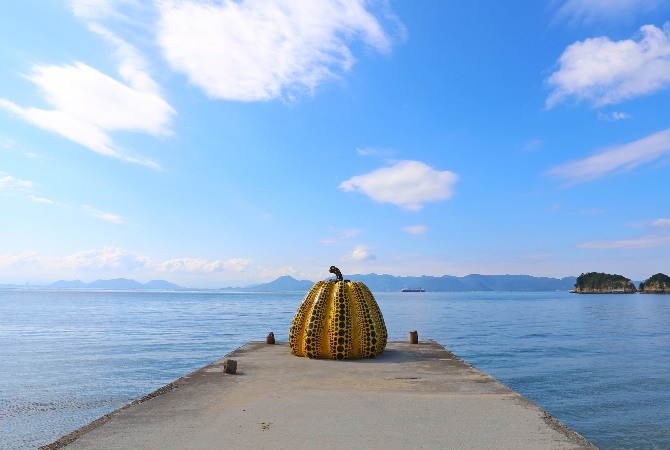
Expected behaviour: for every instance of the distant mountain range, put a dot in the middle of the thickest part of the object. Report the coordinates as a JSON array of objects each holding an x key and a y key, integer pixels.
[
  {"x": 377, "y": 283},
  {"x": 447, "y": 283}
]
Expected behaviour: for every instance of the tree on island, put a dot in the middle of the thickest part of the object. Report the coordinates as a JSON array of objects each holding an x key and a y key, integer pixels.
[
  {"x": 602, "y": 283},
  {"x": 656, "y": 284}
]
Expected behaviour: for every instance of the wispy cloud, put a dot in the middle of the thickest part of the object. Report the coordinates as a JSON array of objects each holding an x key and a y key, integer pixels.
[
  {"x": 533, "y": 145},
  {"x": 614, "y": 116},
  {"x": 283, "y": 271},
  {"x": 116, "y": 259},
  {"x": 6, "y": 143},
  {"x": 342, "y": 235},
  {"x": 252, "y": 50},
  {"x": 646, "y": 241},
  {"x": 608, "y": 72},
  {"x": 10, "y": 182},
  {"x": 537, "y": 256},
  {"x": 109, "y": 258},
  {"x": 202, "y": 265},
  {"x": 371, "y": 151},
  {"x": 103, "y": 215},
  {"x": 98, "y": 9},
  {"x": 416, "y": 229},
  {"x": 588, "y": 10},
  {"x": 88, "y": 105},
  {"x": 407, "y": 184},
  {"x": 657, "y": 223},
  {"x": 589, "y": 212},
  {"x": 662, "y": 223},
  {"x": 39, "y": 199},
  {"x": 21, "y": 188},
  {"x": 190, "y": 265},
  {"x": 620, "y": 158},
  {"x": 358, "y": 254}
]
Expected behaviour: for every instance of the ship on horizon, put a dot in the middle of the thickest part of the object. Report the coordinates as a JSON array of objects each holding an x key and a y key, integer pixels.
[{"x": 413, "y": 290}]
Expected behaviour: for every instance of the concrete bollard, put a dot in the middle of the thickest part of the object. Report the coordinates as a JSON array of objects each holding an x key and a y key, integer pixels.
[
  {"x": 413, "y": 337},
  {"x": 230, "y": 366},
  {"x": 270, "y": 339}
]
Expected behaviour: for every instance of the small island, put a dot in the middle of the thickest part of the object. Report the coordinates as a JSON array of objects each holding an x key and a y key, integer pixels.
[
  {"x": 657, "y": 284},
  {"x": 603, "y": 283}
]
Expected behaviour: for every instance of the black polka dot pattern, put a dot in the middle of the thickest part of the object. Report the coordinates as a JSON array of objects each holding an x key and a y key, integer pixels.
[
  {"x": 338, "y": 320},
  {"x": 313, "y": 336},
  {"x": 380, "y": 327},
  {"x": 366, "y": 349},
  {"x": 340, "y": 323},
  {"x": 298, "y": 324}
]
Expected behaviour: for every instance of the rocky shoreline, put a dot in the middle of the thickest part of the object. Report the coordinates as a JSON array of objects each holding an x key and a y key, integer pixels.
[
  {"x": 604, "y": 291},
  {"x": 653, "y": 291}
]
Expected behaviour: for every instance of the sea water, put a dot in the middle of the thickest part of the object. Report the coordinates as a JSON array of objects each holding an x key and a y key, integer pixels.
[{"x": 598, "y": 363}]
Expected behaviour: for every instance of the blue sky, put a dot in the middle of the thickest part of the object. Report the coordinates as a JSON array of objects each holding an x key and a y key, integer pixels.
[{"x": 216, "y": 143}]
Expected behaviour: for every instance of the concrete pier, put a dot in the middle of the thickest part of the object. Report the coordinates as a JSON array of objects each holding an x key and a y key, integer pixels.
[{"x": 410, "y": 397}]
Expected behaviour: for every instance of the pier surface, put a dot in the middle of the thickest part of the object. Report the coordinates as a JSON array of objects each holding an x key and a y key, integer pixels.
[{"x": 410, "y": 397}]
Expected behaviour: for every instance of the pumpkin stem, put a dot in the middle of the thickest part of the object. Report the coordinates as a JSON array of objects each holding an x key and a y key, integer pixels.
[{"x": 337, "y": 272}]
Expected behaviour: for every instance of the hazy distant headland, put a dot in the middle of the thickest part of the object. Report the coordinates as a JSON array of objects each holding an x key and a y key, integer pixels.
[{"x": 117, "y": 283}]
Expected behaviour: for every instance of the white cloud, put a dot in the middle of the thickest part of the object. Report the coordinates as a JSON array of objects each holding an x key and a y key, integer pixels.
[
  {"x": 608, "y": 72},
  {"x": 253, "y": 50},
  {"x": 533, "y": 145},
  {"x": 360, "y": 253},
  {"x": 347, "y": 234},
  {"x": 39, "y": 199},
  {"x": 109, "y": 258},
  {"x": 342, "y": 235},
  {"x": 407, "y": 184},
  {"x": 89, "y": 104},
  {"x": 287, "y": 270},
  {"x": 190, "y": 265},
  {"x": 621, "y": 158},
  {"x": 13, "y": 183},
  {"x": 117, "y": 259},
  {"x": 614, "y": 116},
  {"x": 6, "y": 143},
  {"x": 371, "y": 151},
  {"x": 202, "y": 265},
  {"x": 661, "y": 223},
  {"x": 646, "y": 241},
  {"x": 588, "y": 212},
  {"x": 416, "y": 229},
  {"x": 591, "y": 9},
  {"x": 237, "y": 264},
  {"x": 657, "y": 223},
  {"x": 98, "y": 9},
  {"x": 102, "y": 215},
  {"x": 24, "y": 188}
]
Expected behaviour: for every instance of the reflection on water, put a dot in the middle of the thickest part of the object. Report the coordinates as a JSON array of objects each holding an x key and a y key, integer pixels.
[{"x": 599, "y": 363}]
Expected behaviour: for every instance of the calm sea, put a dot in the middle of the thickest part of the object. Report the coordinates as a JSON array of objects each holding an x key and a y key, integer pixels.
[{"x": 599, "y": 363}]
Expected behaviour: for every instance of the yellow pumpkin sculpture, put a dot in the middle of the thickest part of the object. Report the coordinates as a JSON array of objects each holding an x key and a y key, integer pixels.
[{"x": 338, "y": 320}]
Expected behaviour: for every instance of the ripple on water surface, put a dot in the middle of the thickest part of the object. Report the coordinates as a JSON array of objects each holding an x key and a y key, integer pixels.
[{"x": 599, "y": 363}]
